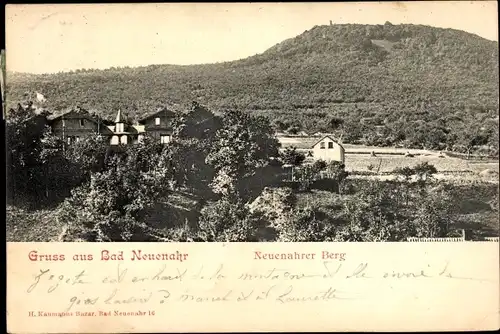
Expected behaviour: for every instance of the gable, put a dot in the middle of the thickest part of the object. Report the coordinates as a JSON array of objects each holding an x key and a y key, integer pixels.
[
  {"x": 327, "y": 139},
  {"x": 163, "y": 113},
  {"x": 74, "y": 114}
]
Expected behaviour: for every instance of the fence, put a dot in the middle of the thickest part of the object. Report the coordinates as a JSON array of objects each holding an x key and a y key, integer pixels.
[
  {"x": 413, "y": 239},
  {"x": 494, "y": 239},
  {"x": 458, "y": 239}
]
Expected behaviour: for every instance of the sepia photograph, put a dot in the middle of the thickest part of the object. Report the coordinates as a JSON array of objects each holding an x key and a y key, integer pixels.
[{"x": 252, "y": 122}]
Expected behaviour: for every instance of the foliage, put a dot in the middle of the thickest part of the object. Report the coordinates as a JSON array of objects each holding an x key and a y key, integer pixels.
[
  {"x": 405, "y": 172},
  {"x": 194, "y": 132},
  {"x": 275, "y": 206},
  {"x": 111, "y": 206},
  {"x": 37, "y": 169},
  {"x": 90, "y": 153},
  {"x": 242, "y": 145},
  {"x": 336, "y": 171},
  {"x": 309, "y": 224},
  {"x": 290, "y": 156},
  {"x": 422, "y": 171},
  {"x": 305, "y": 175},
  {"x": 226, "y": 220},
  {"x": 319, "y": 165},
  {"x": 385, "y": 211},
  {"x": 433, "y": 213}
]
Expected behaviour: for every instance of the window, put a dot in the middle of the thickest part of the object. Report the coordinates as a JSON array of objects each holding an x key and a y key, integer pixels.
[
  {"x": 63, "y": 123},
  {"x": 330, "y": 145},
  {"x": 77, "y": 139},
  {"x": 69, "y": 139},
  {"x": 114, "y": 140},
  {"x": 322, "y": 145},
  {"x": 119, "y": 127},
  {"x": 123, "y": 140},
  {"x": 164, "y": 139},
  {"x": 82, "y": 122},
  {"x": 157, "y": 120},
  {"x": 140, "y": 138}
]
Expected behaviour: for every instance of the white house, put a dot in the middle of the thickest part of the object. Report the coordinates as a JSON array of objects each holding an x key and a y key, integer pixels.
[{"x": 328, "y": 149}]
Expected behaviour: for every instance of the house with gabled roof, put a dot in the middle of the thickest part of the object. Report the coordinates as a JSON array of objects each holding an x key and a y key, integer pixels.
[
  {"x": 158, "y": 125},
  {"x": 328, "y": 149},
  {"x": 77, "y": 123}
]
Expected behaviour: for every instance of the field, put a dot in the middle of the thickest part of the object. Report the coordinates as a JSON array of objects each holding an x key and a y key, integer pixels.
[
  {"x": 387, "y": 163},
  {"x": 358, "y": 158}
]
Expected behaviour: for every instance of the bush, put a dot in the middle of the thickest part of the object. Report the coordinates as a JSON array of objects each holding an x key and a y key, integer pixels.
[
  {"x": 309, "y": 224},
  {"x": 226, "y": 220}
]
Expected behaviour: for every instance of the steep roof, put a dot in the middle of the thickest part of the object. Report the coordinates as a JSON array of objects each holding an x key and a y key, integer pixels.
[
  {"x": 156, "y": 113},
  {"x": 119, "y": 117},
  {"x": 74, "y": 110}
]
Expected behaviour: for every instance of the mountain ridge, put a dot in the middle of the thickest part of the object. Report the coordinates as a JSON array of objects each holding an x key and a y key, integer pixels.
[{"x": 388, "y": 74}]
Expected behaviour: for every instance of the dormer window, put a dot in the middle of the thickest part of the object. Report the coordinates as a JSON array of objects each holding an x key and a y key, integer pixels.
[
  {"x": 157, "y": 120},
  {"x": 119, "y": 127}
]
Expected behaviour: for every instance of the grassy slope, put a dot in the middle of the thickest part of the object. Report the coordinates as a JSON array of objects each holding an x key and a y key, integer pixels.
[{"x": 33, "y": 226}]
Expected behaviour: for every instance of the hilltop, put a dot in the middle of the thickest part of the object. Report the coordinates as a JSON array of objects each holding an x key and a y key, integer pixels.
[{"x": 409, "y": 85}]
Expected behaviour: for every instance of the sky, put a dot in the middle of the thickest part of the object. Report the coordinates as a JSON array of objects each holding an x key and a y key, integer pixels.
[{"x": 64, "y": 37}]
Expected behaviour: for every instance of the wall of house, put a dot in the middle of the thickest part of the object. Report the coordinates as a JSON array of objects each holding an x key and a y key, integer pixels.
[
  {"x": 156, "y": 130},
  {"x": 73, "y": 127},
  {"x": 335, "y": 153}
]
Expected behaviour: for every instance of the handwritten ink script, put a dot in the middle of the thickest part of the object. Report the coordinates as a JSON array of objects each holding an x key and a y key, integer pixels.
[{"x": 163, "y": 285}]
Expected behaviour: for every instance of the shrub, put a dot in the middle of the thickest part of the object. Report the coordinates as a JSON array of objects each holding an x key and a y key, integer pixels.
[{"x": 226, "y": 220}]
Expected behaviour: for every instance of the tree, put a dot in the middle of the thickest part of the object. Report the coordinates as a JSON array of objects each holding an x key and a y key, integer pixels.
[
  {"x": 290, "y": 156},
  {"x": 59, "y": 174},
  {"x": 405, "y": 173},
  {"x": 111, "y": 206},
  {"x": 90, "y": 154},
  {"x": 424, "y": 171},
  {"x": 194, "y": 133},
  {"x": 471, "y": 137},
  {"x": 336, "y": 123},
  {"x": 336, "y": 170},
  {"x": 306, "y": 175},
  {"x": 432, "y": 213},
  {"x": 319, "y": 165},
  {"x": 374, "y": 214},
  {"x": 243, "y": 144},
  {"x": 25, "y": 129}
]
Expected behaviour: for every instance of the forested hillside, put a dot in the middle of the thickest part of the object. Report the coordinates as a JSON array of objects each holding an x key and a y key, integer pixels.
[{"x": 408, "y": 85}]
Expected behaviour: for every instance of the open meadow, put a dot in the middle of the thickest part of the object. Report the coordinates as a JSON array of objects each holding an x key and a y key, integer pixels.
[{"x": 359, "y": 159}]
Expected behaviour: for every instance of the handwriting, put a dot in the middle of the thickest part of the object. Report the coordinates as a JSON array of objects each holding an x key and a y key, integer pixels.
[
  {"x": 56, "y": 280},
  {"x": 269, "y": 284}
]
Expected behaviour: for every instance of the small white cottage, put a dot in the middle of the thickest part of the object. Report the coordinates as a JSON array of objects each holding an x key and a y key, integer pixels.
[{"x": 328, "y": 149}]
